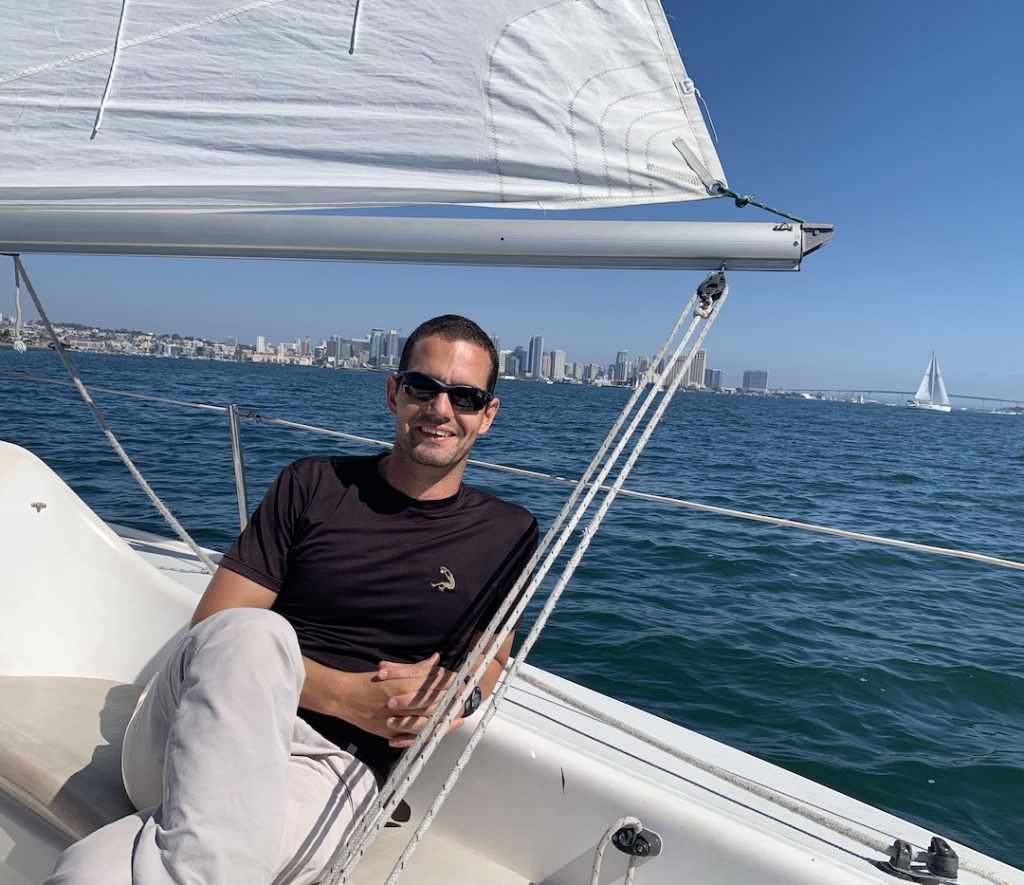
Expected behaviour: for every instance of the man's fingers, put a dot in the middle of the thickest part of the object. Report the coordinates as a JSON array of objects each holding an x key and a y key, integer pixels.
[
  {"x": 398, "y": 670},
  {"x": 408, "y": 733}
]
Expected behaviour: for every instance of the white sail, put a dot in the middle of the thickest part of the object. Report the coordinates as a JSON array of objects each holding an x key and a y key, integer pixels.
[
  {"x": 547, "y": 104},
  {"x": 924, "y": 389},
  {"x": 939, "y": 397}
]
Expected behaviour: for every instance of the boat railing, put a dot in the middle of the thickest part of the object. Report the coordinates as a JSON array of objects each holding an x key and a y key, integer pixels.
[{"x": 234, "y": 413}]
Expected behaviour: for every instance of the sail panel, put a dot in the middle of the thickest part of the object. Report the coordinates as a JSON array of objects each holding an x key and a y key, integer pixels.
[
  {"x": 564, "y": 104},
  {"x": 924, "y": 389},
  {"x": 939, "y": 395}
]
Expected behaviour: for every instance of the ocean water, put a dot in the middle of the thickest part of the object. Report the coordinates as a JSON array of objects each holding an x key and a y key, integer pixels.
[{"x": 895, "y": 677}]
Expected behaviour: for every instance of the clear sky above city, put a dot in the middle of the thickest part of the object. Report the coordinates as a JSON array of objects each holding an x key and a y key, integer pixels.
[{"x": 900, "y": 122}]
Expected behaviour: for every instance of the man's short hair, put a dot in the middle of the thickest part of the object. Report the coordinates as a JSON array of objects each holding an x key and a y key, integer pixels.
[{"x": 452, "y": 327}]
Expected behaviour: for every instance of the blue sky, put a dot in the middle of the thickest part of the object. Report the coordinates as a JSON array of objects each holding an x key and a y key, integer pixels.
[{"x": 899, "y": 122}]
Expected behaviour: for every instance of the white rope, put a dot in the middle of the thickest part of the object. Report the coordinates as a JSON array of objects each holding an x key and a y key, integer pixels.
[
  {"x": 110, "y": 73},
  {"x": 412, "y": 761},
  {"x": 160, "y": 506},
  {"x": 805, "y": 811},
  {"x": 595, "y": 869},
  {"x": 18, "y": 343},
  {"x": 492, "y": 703}
]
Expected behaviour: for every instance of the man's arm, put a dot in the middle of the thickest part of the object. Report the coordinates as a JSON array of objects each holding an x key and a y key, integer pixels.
[
  {"x": 228, "y": 589},
  {"x": 363, "y": 699}
]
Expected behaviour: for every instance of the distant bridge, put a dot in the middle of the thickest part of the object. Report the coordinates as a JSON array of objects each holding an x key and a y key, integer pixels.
[{"x": 907, "y": 394}]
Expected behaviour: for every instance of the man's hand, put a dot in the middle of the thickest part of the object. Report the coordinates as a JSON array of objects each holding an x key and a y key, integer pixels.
[
  {"x": 422, "y": 685},
  {"x": 394, "y": 702}
]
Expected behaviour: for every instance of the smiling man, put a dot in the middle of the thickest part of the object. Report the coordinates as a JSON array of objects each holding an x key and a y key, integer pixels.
[{"x": 322, "y": 645}]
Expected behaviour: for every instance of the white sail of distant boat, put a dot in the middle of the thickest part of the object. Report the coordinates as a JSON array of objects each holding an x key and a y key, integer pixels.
[{"x": 931, "y": 392}]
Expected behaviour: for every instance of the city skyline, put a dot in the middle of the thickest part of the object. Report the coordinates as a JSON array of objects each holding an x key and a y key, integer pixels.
[{"x": 872, "y": 147}]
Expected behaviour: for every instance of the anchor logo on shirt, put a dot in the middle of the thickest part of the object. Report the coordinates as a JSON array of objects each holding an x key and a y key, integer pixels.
[{"x": 448, "y": 583}]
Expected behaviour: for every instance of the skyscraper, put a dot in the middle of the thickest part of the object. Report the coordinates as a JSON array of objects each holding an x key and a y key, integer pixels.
[
  {"x": 377, "y": 346},
  {"x": 620, "y": 371},
  {"x": 261, "y": 344},
  {"x": 536, "y": 354},
  {"x": 695, "y": 376},
  {"x": 755, "y": 379},
  {"x": 713, "y": 379},
  {"x": 557, "y": 365}
]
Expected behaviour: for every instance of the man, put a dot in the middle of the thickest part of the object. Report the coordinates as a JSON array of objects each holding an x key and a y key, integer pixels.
[{"x": 358, "y": 586}]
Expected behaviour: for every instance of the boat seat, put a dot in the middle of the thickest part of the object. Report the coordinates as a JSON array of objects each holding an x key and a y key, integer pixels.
[
  {"x": 60, "y": 748},
  {"x": 60, "y": 754}
]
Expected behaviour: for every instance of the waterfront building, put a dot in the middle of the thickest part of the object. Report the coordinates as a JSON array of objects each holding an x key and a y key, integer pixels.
[
  {"x": 713, "y": 379},
  {"x": 261, "y": 344},
  {"x": 557, "y": 365},
  {"x": 621, "y": 369},
  {"x": 535, "y": 356},
  {"x": 377, "y": 346},
  {"x": 545, "y": 366},
  {"x": 695, "y": 375},
  {"x": 522, "y": 360},
  {"x": 755, "y": 379}
]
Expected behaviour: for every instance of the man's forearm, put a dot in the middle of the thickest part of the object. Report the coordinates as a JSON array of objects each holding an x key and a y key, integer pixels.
[{"x": 338, "y": 693}]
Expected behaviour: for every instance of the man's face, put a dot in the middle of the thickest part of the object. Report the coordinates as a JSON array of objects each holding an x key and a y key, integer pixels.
[{"x": 433, "y": 433}]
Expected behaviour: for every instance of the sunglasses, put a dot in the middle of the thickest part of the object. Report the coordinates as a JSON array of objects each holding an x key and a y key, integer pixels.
[{"x": 463, "y": 397}]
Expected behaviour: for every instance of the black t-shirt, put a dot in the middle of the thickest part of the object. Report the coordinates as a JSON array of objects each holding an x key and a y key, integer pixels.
[{"x": 364, "y": 573}]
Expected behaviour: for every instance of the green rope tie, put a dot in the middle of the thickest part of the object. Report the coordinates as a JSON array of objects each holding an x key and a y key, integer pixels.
[{"x": 742, "y": 200}]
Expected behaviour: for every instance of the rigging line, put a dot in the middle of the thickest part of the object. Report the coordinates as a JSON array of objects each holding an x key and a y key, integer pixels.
[
  {"x": 720, "y": 190},
  {"x": 482, "y": 653},
  {"x": 516, "y": 663},
  {"x": 110, "y": 73},
  {"x": 818, "y": 816},
  {"x": 18, "y": 344},
  {"x": 606, "y": 840},
  {"x": 783, "y": 522},
  {"x": 355, "y": 28},
  {"x": 160, "y": 506}
]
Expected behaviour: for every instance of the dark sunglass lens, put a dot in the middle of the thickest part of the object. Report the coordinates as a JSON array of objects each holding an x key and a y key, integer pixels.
[
  {"x": 420, "y": 387},
  {"x": 466, "y": 400}
]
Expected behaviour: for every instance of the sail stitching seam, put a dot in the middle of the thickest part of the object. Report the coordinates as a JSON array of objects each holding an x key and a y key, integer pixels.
[
  {"x": 600, "y": 129},
  {"x": 629, "y": 138},
  {"x": 490, "y": 94},
  {"x": 657, "y": 167},
  {"x": 137, "y": 41},
  {"x": 572, "y": 114}
]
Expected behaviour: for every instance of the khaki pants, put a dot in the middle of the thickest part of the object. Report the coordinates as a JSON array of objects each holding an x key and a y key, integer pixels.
[{"x": 235, "y": 788}]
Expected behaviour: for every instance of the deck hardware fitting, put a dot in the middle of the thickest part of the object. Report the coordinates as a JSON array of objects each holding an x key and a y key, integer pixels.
[
  {"x": 642, "y": 843},
  {"x": 939, "y": 864}
]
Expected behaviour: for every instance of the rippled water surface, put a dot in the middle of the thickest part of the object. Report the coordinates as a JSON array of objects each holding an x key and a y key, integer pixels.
[{"x": 893, "y": 676}]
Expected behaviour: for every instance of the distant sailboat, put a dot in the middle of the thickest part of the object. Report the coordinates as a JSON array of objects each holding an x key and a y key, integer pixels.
[{"x": 931, "y": 392}]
